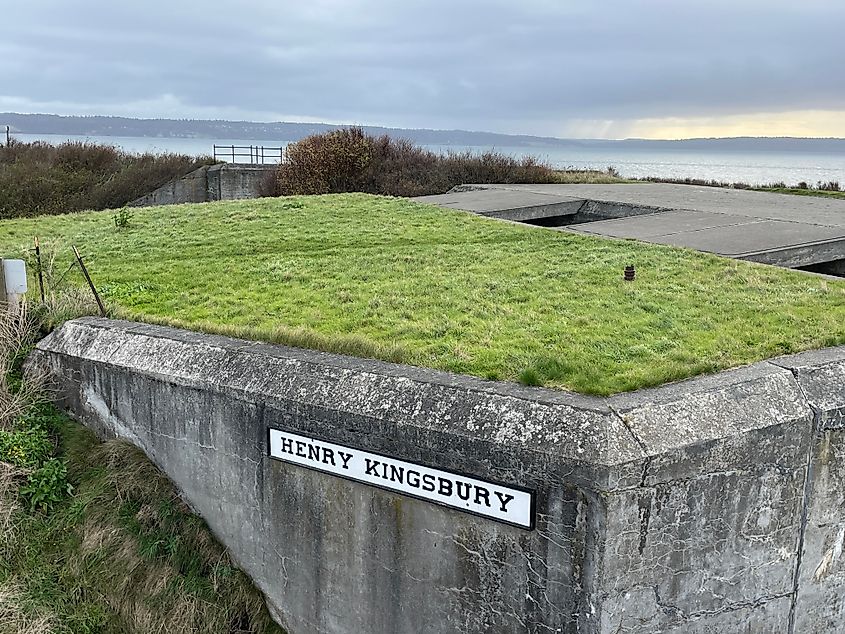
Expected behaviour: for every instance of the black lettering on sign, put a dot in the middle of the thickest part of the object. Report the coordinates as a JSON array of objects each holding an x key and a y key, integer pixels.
[
  {"x": 504, "y": 499},
  {"x": 467, "y": 489},
  {"x": 371, "y": 466},
  {"x": 445, "y": 487},
  {"x": 397, "y": 474},
  {"x": 481, "y": 492},
  {"x": 428, "y": 482}
]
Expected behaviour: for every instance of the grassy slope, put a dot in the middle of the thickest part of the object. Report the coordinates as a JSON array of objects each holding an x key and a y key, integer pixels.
[
  {"x": 121, "y": 555},
  {"x": 392, "y": 279}
]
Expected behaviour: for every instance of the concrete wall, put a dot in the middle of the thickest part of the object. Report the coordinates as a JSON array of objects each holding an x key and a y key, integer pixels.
[
  {"x": 711, "y": 505},
  {"x": 223, "y": 181}
]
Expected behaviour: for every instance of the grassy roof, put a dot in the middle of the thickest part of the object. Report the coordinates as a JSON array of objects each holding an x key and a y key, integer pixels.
[{"x": 391, "y": 279}]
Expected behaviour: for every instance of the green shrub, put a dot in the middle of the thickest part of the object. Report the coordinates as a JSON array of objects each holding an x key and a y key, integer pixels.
[
  {"x": 27, "y": 448},
  {"x": 348, "y": 160},
  {"x": 47, "y": 485}
]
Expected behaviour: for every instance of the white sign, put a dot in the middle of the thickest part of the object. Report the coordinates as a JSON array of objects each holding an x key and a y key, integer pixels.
[{"x": 503, "y": 503}]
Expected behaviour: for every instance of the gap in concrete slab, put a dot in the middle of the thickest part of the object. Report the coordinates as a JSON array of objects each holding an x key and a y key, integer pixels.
[
  {"x": 555, "y": 221},
  {"x": 593, "y": 211},
  {"x": 835, "y": 268}
]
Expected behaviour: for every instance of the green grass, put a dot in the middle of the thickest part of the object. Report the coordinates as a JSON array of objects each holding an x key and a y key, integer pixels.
[
  {"x": 121, "y": 555},
  {"x": 795, "y": 191},
  {"x": 391, "y": 279}
]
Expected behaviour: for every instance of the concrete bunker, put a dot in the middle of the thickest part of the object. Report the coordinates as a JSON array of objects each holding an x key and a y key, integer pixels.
[{"x": 714, "y": 504}]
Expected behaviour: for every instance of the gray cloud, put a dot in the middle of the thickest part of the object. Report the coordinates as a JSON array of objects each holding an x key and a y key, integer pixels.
[{"x": 508, "y": 66}]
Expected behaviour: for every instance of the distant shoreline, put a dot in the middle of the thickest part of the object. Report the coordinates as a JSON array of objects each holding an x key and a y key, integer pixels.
[
  {"x": 709, "y": 163},
  {"x": 100, "y": 126}
]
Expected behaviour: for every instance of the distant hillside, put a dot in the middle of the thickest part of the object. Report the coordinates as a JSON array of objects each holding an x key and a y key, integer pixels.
[{"x": 285, "y": 132}]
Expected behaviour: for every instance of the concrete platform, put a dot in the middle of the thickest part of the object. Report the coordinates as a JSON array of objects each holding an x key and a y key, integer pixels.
[
  {"x": 510, "y": 205},
  {"x": 790, "y": 231}
]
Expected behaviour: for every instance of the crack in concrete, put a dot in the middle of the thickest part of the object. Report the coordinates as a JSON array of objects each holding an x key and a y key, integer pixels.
[
  {"x": 805, "y": 502},
  {"x": 676, "y": 612}
]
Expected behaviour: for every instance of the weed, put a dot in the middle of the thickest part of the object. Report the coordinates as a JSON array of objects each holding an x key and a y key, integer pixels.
[
  {"x": 529, "y": 376},
  {"x": 47, "y": 485},
  {"x": 26, "y": 448},
  {"x": 122, "y": 218}
]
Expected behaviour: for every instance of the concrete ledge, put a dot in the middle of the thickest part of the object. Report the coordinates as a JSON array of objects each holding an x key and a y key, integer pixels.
[
  {"x": 221, "y": 181},
  {"x": 701, "y": 506}
]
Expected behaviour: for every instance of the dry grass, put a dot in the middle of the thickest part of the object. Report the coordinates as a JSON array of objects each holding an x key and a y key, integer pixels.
[
  {"x": 16, "y": 337},
  {"x": 9, "y": 480},
  {"x": 14, "y": 620},
  {"x": 590, "y": 177},
  {"x": 124, "y": 554},
  {"x": 165, "y": 572}
]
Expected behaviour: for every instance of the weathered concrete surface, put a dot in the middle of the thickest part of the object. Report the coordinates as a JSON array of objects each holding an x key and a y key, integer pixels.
[
  {"x": 509, "y": 205},
  {"x": 820, "y": 600},
  {"x": 711, "y": 505},
  {"x": 790, "y": 231},
  {"x": 222, "y": 181},
  {"x": 191, "y": 188}
]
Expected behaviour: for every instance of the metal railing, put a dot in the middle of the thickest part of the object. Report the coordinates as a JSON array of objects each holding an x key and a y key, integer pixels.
[{"x": 254, "y": 154}]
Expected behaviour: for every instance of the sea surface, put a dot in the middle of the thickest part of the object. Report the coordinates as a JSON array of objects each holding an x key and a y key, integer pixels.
[{"x": 756, "y": 168}]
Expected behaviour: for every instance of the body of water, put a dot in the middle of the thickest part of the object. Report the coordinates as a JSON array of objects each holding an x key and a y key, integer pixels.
[{"x": 746, "y": 167}]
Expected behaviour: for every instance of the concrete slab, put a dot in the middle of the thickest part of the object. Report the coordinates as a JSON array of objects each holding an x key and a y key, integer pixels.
[
  {"x": 738, "y": 202},
  {"x": 740, "y": 240},
  {"x": 784, "y": 230},
  {"x": 659, "y": 224},
  {"x": 511, "y": 205}
]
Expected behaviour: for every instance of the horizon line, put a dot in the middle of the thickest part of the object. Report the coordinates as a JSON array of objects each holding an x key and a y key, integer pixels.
[{"x": 414, "y": 129}]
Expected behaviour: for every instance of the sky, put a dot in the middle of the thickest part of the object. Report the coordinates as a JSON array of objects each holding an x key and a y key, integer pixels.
[{"x": 585, "y": 69}]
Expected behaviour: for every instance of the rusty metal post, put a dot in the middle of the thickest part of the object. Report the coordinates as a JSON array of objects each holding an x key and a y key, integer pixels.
[
  {"x": 90, "y": 283},
  {"x": 39, "y": 269}
]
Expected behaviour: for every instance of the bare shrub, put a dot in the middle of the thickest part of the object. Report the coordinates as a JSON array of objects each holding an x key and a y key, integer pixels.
[
  {"x": 348, "y": 160},
  {"x": 38, "y": 178},
  {"x": 268, "y": 186}
]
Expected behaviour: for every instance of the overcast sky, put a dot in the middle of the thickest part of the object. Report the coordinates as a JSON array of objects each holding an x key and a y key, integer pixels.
[{"x": 610, "y": 68}]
